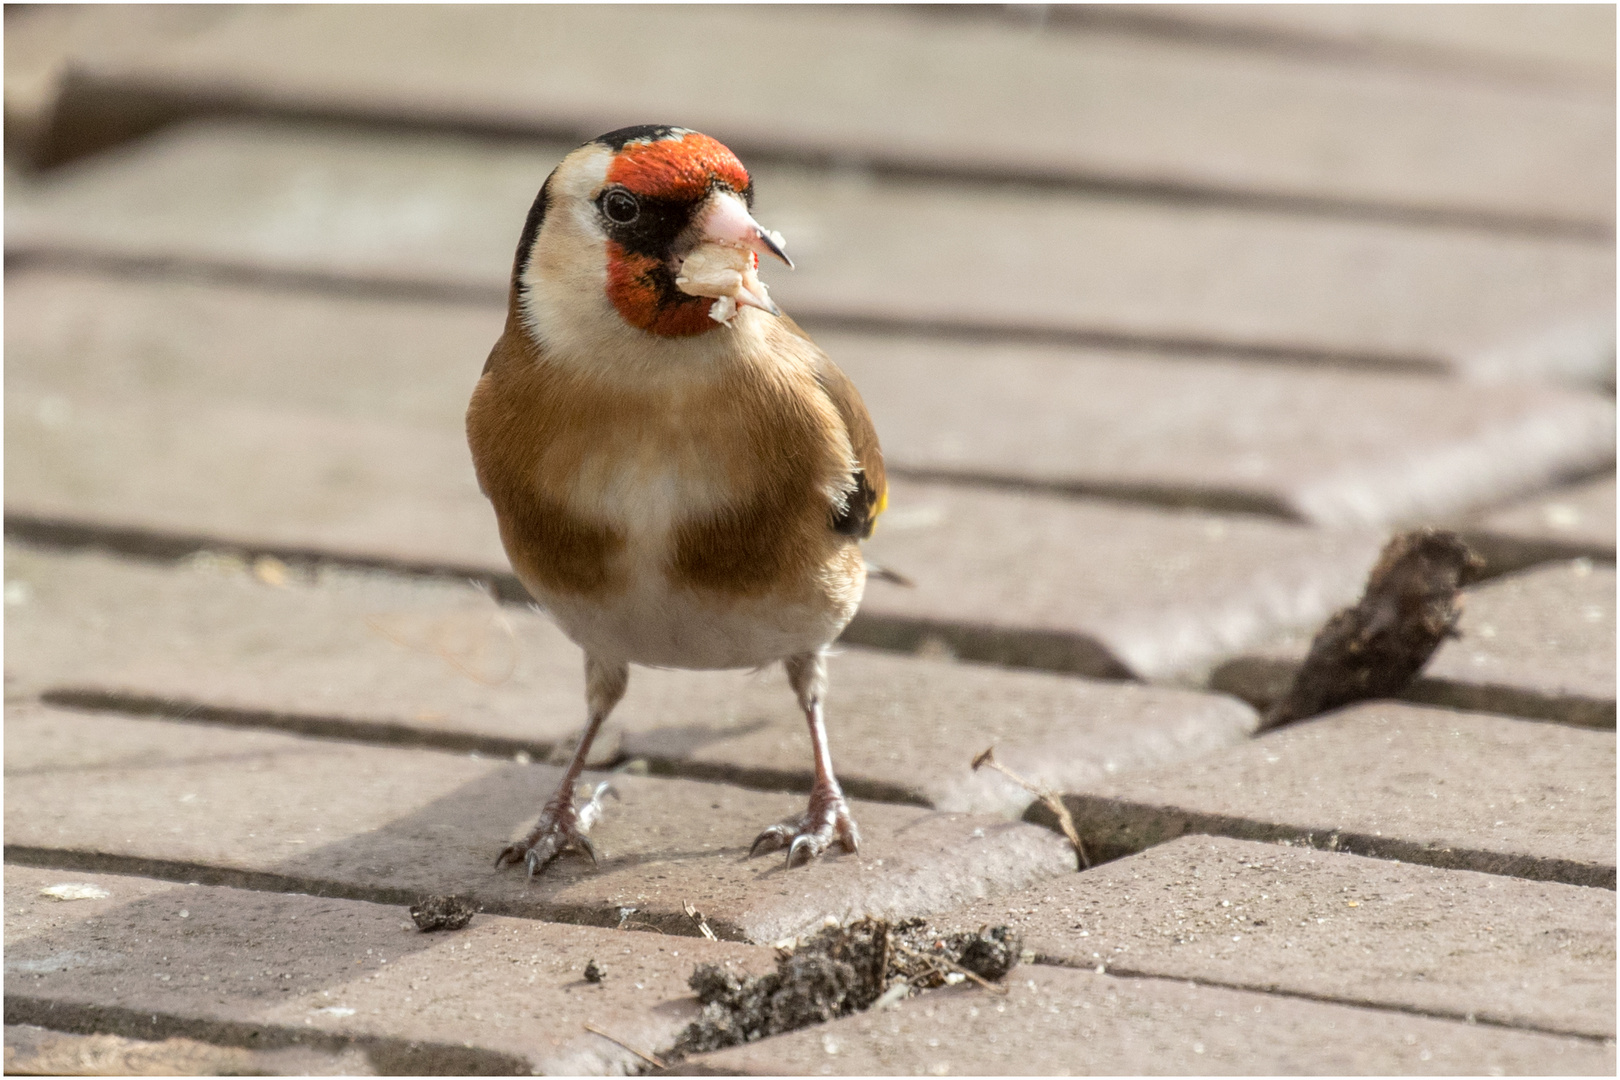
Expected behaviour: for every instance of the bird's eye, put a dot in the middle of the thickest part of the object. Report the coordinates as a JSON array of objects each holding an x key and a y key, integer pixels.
[{"x": 620, "y": 206}]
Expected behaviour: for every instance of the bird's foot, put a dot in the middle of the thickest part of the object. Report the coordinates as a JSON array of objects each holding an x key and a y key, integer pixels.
[
  {"x": 561, "y": 828},
  {"x": 825, "y": 823}
]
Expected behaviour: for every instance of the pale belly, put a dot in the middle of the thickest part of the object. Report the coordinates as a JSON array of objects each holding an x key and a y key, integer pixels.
[
  {"x": 660, "y": 624},
  {"x": 653, "y": 619},
  {"x": 645, "y": 476}
]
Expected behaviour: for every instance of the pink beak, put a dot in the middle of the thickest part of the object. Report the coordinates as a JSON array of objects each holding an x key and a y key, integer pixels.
[{"x": 727, "y": 221}]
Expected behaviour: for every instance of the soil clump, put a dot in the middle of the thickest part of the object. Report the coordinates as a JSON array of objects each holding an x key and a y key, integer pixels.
[
  {"x": 1374, "y": 649},
  {"x": 836, "y": 972},
  {"x": 442, "y": 913}
]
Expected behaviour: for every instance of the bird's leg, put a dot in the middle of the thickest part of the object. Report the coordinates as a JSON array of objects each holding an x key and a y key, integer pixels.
[
  {"x": 827, "y": 819},
  {"x": 562, "y": 826}
]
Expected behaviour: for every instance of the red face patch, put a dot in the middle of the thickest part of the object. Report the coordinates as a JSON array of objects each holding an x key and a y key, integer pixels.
[
  {"x": 633, "y": 287},
  {"x": 678, "y": 169}
]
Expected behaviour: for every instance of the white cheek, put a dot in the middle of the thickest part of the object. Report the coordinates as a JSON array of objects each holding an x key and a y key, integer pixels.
[
  {"x": 567, "y": 307},
  {"x": 565, "y": 302}
]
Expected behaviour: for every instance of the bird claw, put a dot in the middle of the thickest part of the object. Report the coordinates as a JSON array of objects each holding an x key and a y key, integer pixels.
[
  {"x": 539, "y": 856},
  {"x": 803, "y": 849},
  {"x": 777, "y": 836},
  {"x": 825, "y": 824},
  {"x": 561, "y": 829}
]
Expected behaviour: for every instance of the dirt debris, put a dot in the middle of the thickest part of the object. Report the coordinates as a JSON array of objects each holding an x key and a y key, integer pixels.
[
  {"x": 836, "y": 972},
  {"x": 442, "y": 913},
  {"x": 990, "y": 953},
  {"x": 1374, "y": 649}
]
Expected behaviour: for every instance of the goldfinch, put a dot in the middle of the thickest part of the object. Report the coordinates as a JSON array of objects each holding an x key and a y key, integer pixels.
[{"x": 680, "y": 476}]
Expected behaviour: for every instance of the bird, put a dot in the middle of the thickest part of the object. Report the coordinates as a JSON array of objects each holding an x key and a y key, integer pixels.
[{"x": 680, "y": 476}]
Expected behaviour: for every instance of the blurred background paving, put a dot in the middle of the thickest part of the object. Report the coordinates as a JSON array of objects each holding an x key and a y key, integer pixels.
[{"x": 1167, "y": 316}]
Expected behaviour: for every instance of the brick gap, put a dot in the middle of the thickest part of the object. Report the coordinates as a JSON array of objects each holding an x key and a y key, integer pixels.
[
  {"x": 1124, "y": 972},
  {"x": 94, "y": 114},
  {"x": 388, "y": 1056},
  {"x": 388, "y": 733},
  {"x": 1261, "y": 680},
  {"x": 1172, "y": 496},
  {"x": 1393, "y": 55},
  {"x": 447, "y": 291},
  {"x": 1041, "y": 650},
  {"x": 1109, "y": 825},
  {"x": 334, "y": 728},
  {"x": 183, "y": 872}
]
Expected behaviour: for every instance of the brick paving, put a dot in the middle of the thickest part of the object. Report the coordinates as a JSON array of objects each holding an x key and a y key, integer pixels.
[
  {"x": 1330, "y": 926},
  {"x": 1572, "y": 522},
  {"x": 1237, "y": 437},
  {"x": 385, "y": 823},
  {"x": 348, "y": 654},
  {"x": 1056, "y": 1021},
  {"x": 1503, "y": 41},
  {"x": 1389, "y": 779},
  {"x": 288, "y": 964},
  {"x": 1158, "y": 363},
  {"x": 38, "y": 1051},
  {"x": 265, "y": 461},
  {"x": 1059, "y": 104},
  {"x": 1072, "y": 419},
  {"x": 434, "y": 213}
]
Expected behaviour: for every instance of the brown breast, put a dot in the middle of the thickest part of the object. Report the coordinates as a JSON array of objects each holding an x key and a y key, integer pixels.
[{"x": 742, "y": 460}]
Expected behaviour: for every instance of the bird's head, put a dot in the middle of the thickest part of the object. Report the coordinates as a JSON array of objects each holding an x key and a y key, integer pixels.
[{"x": 646, "y": 230}]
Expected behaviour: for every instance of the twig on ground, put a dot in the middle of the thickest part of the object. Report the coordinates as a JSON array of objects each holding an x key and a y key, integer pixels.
[
  {"x": 648, "y": 1058},
  {"x": 1052, "y": 801},
  {"x": 697, "y": 916},
  {"x": 994, "y": 988}
]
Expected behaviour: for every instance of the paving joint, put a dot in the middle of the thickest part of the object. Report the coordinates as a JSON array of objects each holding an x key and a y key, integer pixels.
[
  {"x": 1012, "y": 647},
  {"x": 120, "y": 111},
  {"x": 1117, "y": 825},
  {"x": 223, "y": 272},
  {"x": 1310, "y": 357},
  {"x": 389, "y": 733},
  {"x": 164, "y": 547},
  {"x": 1253, "y": 679},
  {"x": 335, "y": 728},
  {"x": 282, "y": 280},
  {"x": 1372, "y": 53},
  {"x": 1510, "y": 554},
  {"x": 1039, "y": 650},
  {"x": 388, "y": 1056},
  {"x": 1173, "y": 496},
  {"x": 1045, "y": 651},
  {"x": 182, "y": 872},
  {"x": 264, "y": 881},
  {"x": 1465, "y": 1017},
  {"x": 760, "y": 778},
  {"x": 1573, "y": 710}
]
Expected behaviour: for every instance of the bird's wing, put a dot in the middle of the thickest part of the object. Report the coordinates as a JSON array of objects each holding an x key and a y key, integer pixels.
[{"x": 871, "y": 494}]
